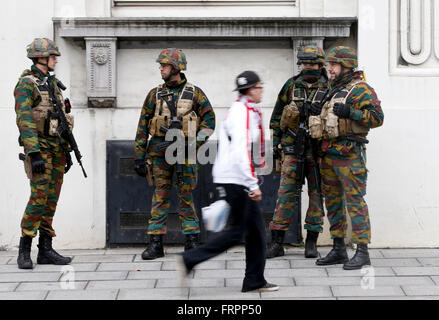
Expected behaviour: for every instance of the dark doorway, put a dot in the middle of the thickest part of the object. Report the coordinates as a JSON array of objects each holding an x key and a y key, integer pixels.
[{"x": 129, "y": 200}]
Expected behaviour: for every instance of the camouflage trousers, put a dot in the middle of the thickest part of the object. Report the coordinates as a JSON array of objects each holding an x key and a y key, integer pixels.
[
  {"x": 161, "y": 200},
  {"x": 286, "y": 204},
  {"x": 45, "y": 191},
  {"x": 344, "y": 186}
]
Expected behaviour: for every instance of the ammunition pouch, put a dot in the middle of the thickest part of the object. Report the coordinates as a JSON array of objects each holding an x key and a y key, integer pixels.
[
  {"x": 190, "y": 124},
  {"x": 46, "y": 125},
  {"x": 332, "y": 124},
  {"x": 290, "y": 117},
  {"x": 70, "y": 121},
  {"x": 347, "y": 127},
  {"x": 156, "y": 122},
  {"x": 315, "y": 125},
  {"x": 52, "y": 126},
  {"x": 184, "y": 110}
]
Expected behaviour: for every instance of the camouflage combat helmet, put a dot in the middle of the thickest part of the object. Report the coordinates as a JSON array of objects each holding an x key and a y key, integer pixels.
[
  {"x": 42, "y": 48},
  {"x": 173, "y": 56},
  {"x": 346, "y": 56},
  {"x": 311, "y": 54}
]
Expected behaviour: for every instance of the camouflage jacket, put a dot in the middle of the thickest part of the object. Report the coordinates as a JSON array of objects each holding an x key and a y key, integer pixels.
[
  {"x": 366, "y": 109},
  {"x": 284, "y": 98},
  {"x": 201, "y": 106},
  {"x": 27, "y": 97}
]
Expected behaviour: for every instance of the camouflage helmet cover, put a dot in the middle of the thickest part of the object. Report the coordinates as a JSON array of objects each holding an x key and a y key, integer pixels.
[
  {"x": 173, "y": 56},
  {"x": 42, "y": 48},
  {"x": 311, "y": 54},
  {"x": 345, "y": 56}
]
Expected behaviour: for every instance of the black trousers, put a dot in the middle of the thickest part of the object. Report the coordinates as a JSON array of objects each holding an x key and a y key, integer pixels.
[{"x": 245, "y": 218}]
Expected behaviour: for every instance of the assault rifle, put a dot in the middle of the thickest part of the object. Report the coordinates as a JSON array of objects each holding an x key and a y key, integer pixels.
[
  {"x": 175, "y": 124},
  {"x": 63, "y": 129},
  {"x": 302, "y": 142}
]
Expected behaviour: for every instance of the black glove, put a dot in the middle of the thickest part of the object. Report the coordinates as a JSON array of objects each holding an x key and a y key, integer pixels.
[
  {"x": 342, "y": 110},
  {"x": 69, "y": 162},
  {"x": 37, "y": 162},
  {"x": 140, "y": 167},
  {"x": 277, "y": 154},
  {"x": 315, "y": 109}
]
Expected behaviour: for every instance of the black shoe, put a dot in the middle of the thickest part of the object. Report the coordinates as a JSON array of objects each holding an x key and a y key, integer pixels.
[
  {"x": 360, "y": 259},
  {"x": 311, "y": 244},
  {"x": 46, "y": 254},
  {"x": 276, "y": 248},
  {"x": 268, "y": 287},
  {"x": 24, "y": 261},
  {"x": 337, "y": 255},
  {"x": 155, "y": 248},
  {"x": 192, "y": 241}
]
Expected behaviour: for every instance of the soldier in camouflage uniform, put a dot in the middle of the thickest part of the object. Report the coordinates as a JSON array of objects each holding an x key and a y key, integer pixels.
[
  {"x": 351, "y": 110},
  {"x": 194, "y": 111},
  {"x": 308, "y": 86},
  {"x": 47, "y": 154}
]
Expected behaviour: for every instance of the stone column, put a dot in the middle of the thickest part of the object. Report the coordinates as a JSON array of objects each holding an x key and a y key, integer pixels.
[{"x": 101, "y": 72}]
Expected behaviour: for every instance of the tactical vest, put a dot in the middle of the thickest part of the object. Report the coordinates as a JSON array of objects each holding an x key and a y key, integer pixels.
[
  {"x": 40, "y": 112},
  {"x": 185, "y": 112},
  {"x": 291, "y": 115},
  {"x": 329, "y": 125}
]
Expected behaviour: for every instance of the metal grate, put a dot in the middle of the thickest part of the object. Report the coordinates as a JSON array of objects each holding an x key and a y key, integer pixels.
[
  {"x": 126, "y": 167},
  {"x": 134, "y": 220}
]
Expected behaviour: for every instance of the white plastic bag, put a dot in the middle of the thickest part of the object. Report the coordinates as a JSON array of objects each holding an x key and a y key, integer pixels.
[{"x": 215, "y": 216}]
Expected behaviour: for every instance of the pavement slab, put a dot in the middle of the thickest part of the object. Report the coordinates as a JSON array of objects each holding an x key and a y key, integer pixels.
[
  {"x": 8, "y": 286},
  {"x": 30, "y": 295},
  {"x": 103, "y": 258},
  {"x": 121, "y": 273},
  {"x": 120, "y": 284},
  {"x": 82, "y": 295},
  {"x": 421, "y": 290},
  {"x": 4, "y": 260},
  {"x": 358, "y": 291},
  {"x": 416, "y": 271},
  {"x": 299, "y": 292},
  {"x": 130, "y": 266},
  {"x": 46, "y": 286}
]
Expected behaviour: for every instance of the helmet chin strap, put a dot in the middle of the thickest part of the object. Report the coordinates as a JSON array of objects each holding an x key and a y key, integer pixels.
[
  {"x": 174, "y": 71},
  {"x": 44, "y": 64}
]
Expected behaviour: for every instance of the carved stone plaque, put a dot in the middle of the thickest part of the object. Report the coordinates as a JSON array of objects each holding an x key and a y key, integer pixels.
[{"x": 101, "y": 69}]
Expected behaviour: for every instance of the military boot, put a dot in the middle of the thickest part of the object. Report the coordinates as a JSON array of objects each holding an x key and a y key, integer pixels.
[
  {"x": 337, "y": 255},
  {"x": 46, "y": 254},
  {"x": 311, "y": 244},
  {"x": 360, "y": 259},
  {"x": 276, "y": 248},
  {"x": 155, "y": 248},
  {"x": 192, "y": 241},
  {"x": 24, "y": 261}
]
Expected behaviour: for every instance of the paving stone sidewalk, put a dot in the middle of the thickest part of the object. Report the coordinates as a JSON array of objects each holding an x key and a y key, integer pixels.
[{"x": 121, "y": 274}]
